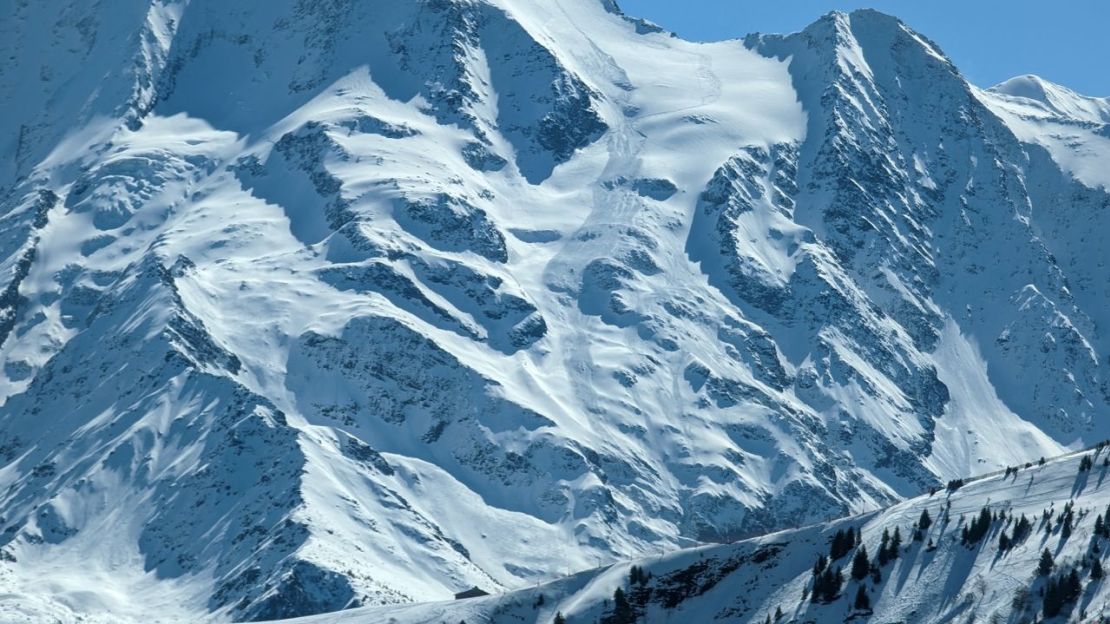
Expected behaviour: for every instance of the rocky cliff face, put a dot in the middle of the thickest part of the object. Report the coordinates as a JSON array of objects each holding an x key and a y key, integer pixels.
[{"x": 311, "y": 305}]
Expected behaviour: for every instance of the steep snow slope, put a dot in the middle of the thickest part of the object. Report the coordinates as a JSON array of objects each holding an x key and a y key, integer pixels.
[
  {"x": 937, "y": 577},
  {"x": 311, "y": 305}
]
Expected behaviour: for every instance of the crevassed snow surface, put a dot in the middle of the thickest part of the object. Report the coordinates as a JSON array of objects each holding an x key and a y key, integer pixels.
[{"x": 308, "y": 306}]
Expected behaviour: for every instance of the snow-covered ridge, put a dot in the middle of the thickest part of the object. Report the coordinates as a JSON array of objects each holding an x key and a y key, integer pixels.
[
  {"x": 941, "y": 562},
  {"x": 1056, "y": 100},
  {"x": 306, "y": 306}
]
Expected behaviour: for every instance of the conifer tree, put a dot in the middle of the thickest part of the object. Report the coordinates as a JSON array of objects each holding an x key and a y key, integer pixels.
[
  {"x": 622, "y": 609},
  {"x": 862, "y": 602},
  {"x": 977, "y": 528},
  {"x": 836, "y": 545},
  {"x": 1022, "y": 528},
  {"x": 1060, "y": 591},
  {"x": 1044, "y": 568},
  {"x": 884, "y": 548},
  {"x": 842, "y": 544},
  {"x": 1074, "y": 586},
  {"x": 985, "y": 519},
  {"x": 826, "y": 587},
  {"x": 861, "y": 565},
  {"x": 1051, "y": 602}
]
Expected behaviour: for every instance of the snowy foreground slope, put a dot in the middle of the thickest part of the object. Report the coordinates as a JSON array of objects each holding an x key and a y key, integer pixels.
[
  {"x": 938, "y": 577},
  {"x": 312, "y": 305}
]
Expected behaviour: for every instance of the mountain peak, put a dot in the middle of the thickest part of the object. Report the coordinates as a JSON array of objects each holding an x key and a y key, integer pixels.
[
  {"x": 1028, "y": 86},
  {"x": 852, "y": 33},
  {"x": 867, "y": 19},
  {"x": 1055, "y": 99},
  {"x": 875, "y": 16}
]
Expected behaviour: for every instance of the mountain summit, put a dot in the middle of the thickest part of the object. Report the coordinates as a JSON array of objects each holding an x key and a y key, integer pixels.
[
  {"x": 1058, "y": 99},
  {"x": 311, "y": 305}
]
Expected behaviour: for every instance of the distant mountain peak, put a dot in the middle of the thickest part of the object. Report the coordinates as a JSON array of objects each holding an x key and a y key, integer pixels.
[
  {"x": 1055, "y": 98},
  {"x": 1029, "y": 86}
]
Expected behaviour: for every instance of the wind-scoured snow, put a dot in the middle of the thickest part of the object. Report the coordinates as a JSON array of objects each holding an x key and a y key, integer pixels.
[{"x": 310, "y": 306}]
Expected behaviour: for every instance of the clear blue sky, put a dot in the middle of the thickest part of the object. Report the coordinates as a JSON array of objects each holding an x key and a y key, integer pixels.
[{"x": 1065, "y": 41}]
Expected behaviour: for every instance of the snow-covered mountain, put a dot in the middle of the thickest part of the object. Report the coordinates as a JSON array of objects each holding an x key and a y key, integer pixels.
[
  {"x": 309, "y": 305},
  {"x": 958, "y": 555}
]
